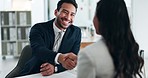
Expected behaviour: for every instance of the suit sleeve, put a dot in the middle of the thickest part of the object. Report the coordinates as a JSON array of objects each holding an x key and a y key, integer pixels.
[
  {"x": 39, "y": 48},
  {"x": 75, "y": 49},
  {"x": 86, "y": 68},
  {"x": 76, "y": 46}
]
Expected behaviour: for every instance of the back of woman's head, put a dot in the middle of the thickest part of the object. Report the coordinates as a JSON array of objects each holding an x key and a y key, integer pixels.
[
  {"x": 113, "y": 17},
  {"x": 114, "y": 26}
]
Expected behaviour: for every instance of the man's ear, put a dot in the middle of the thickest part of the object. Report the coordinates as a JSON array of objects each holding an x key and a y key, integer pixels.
[{"x": 56, "y": 12}]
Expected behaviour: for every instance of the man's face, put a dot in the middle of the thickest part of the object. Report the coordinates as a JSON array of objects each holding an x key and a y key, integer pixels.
[{"x": 65, "y": 16}]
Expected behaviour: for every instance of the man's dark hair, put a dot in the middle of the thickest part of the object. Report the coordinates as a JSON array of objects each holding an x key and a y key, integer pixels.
[{"x": 73, "y": 2}]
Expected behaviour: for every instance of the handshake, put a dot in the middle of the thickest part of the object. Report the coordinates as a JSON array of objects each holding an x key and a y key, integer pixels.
[{"x": 68, "y": 60}]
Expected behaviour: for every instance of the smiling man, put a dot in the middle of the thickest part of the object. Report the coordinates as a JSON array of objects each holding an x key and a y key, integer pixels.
[{"x": 55, "y": 44}]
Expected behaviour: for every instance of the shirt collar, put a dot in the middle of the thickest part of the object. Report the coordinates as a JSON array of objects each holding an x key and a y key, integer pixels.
[{"x": 56, "y": 29}]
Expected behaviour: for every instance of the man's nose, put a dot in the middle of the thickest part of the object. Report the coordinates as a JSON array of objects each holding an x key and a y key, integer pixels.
[{"x": 68, "y": 16}]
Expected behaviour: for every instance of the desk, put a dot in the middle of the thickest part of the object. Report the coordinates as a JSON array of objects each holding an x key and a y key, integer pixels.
[
  {"x": 84, "y": 44},
  {"x": 65, "y": 74}
]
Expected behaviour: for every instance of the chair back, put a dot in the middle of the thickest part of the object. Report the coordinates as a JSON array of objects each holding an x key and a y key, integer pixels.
[{"x": 24, "y": 57}]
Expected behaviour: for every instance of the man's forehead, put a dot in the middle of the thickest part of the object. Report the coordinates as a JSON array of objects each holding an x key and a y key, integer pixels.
[{"x": 69, "y": 7}]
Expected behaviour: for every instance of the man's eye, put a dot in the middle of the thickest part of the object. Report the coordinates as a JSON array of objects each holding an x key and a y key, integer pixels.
[
  {"x": 72, "y": 14},
  {"x": 65, "y": 12}
]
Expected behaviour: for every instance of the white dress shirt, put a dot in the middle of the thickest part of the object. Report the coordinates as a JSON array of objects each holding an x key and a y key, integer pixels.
[{"x": 56, "y": 47}]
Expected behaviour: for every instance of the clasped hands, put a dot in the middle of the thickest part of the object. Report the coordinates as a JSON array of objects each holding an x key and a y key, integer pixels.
[{"x": 68, "y": 61}]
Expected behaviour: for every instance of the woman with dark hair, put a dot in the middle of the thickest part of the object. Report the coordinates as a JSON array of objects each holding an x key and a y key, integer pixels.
[{"x": 115, "y": 55}]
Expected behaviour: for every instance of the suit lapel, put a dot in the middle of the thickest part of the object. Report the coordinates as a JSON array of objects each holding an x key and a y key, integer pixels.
[
  {"x": 65, "y": 37},
  {"x": 51, "y": 32}
]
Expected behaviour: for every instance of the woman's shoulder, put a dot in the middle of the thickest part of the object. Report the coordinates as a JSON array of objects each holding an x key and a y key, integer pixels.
[
  {"x": 95, "y": 49},
  {"x": 96, "y": 46},
  {"x": 99, "y": 56}
]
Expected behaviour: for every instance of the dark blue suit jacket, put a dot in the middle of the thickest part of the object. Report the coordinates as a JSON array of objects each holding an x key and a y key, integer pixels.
[{"x": 42, "y": 39}]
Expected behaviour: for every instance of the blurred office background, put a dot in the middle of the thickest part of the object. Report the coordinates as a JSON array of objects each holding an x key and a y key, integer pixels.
[{"x": 17, "y": 16}]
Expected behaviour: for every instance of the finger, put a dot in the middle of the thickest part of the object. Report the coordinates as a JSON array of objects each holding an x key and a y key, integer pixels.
[
  {"x": 43, "y": 65},
  {"x": 44, "y": 73},
  {"x": 69, "y": 67},
  {"x": 70, "y": 62},
  {"x": 47, "y": 72},
  {"x": 46, "y": 67},
  {"x": 66, "y": 56},
  {"x": 72, "y": 56},
  {"x": 62, "y": 58},
  {"x": 66, "y": 67},
  {"x": 51, "y": 71},
  {"x": 73, "y": 59}
]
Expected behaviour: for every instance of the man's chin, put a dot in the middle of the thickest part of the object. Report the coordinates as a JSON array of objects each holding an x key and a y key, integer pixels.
[{"x": 66, "y": 26}]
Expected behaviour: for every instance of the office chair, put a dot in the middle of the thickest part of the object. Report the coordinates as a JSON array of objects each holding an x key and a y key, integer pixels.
[{"x": 25, "y": 56}]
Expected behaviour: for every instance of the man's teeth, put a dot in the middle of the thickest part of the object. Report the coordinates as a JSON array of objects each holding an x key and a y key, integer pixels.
[{"x": 66, "y": 21}]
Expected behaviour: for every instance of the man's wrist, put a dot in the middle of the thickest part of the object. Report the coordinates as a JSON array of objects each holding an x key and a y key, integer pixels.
[
  {"x": 61, "y": 58},
  {"x": 56, "y": 58}
]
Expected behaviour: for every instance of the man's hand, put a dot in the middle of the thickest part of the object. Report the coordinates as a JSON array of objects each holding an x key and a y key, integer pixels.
[
  {"x": 47, "y": 69},
  {"x": 68, "y": 61}
]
